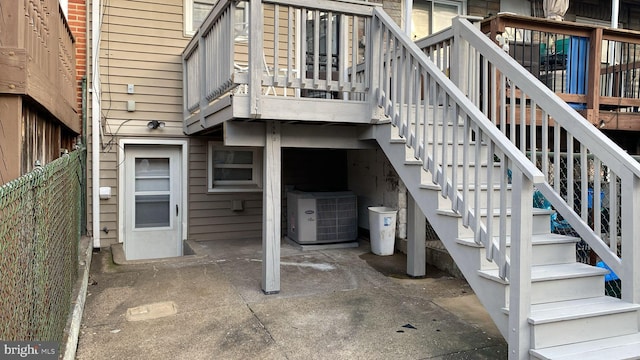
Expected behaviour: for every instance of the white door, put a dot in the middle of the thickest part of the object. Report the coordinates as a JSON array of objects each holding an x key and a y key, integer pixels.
[{"x": 152, "y": 213}]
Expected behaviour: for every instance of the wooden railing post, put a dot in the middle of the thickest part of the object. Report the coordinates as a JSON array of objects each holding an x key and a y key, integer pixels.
[
  {"x": 375, "y": 70},
  {"x": 460, "y": 54},
  {"x": 593, "y": 76},
  {"x": 256, "y": 26},
  {"x": 520, "y": 267},
  {"x": 202, "y": 83}
]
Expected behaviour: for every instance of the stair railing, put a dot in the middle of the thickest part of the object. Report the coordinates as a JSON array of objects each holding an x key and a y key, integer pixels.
[
  {"x": 590, "y": 181},
  {"x": 428, "y": 108}
]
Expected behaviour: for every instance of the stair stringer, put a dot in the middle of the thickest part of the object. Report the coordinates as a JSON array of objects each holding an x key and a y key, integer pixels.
[{"x": 447, "y": 227}]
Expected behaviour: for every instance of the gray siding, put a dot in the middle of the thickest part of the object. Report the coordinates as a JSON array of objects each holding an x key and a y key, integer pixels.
[
  {"x": 141, "y": 44},
  {"x": 210, "y": 214}
]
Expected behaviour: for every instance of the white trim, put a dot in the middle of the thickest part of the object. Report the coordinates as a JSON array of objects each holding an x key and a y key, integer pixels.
[
  {"x": 184, "y": 170},
  {"x": 255, "y": 185},
  {"x": 64, "y": 5},
  {"x": 187, "y": 18},
  {"x": 96, "y": 23},
  {"x": 408, "y": 11}
]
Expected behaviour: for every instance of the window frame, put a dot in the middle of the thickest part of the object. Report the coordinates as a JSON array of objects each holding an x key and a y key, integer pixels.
[
  {"x": 253, "y": 185},
  {"x": 188, "y": 28},
  {"x": 460, "y": 4}
]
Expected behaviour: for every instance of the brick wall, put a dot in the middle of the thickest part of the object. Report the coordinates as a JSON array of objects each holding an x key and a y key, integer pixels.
[{"x": 78, "y": 24}]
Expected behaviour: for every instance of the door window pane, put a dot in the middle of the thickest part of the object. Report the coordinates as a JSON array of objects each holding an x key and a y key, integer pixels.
[
  {"x": 152, "y": 174},
  {"x": 152, "y": 192},
  {"x": 152, "y": 211},
  {"x": 152, "y": 167},
  {"x": 152, "y": 184}
]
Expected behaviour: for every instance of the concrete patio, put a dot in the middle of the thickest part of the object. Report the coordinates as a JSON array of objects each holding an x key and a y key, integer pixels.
[{"x": 334, "y": 304}]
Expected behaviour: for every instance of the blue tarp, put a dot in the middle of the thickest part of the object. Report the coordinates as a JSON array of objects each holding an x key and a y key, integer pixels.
[
  {"x": 611, "y": 276},
  {"x": 557, "y": 225}
]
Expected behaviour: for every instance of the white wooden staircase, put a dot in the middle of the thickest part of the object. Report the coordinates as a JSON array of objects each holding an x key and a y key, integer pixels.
[
  {"x": 567, "y": 297},
  {"x": 475, "y": 188}
]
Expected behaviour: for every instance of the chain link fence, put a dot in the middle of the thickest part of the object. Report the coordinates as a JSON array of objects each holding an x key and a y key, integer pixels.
[
  {"x": 576, "y": 175},
  {"x": 40, "y": 228}
]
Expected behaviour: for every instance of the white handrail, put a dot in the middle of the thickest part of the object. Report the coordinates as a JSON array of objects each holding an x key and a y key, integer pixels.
[
  {"x": 623, "y": 170},
  {"x": 422, "y": 102}
]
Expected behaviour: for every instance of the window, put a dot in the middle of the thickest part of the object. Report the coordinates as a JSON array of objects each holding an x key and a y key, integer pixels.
[
  {"x": 234, "y": 168},
  {"x": 428, "y": 17},
  {"x": 195, "y": 11}
]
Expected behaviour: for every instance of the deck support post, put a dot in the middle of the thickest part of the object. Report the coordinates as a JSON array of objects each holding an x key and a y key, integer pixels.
[
  {"x": 416, "y": 239},
  {"x": 271, "y": 209},
  {"x": 10, "y": 143}
]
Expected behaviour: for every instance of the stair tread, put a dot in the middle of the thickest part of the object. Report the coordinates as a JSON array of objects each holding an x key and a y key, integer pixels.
[
  {"x": 618, "y": 347},
  {"x": 483, "y": 187},
  {"x": 553, "y": 272},
  {"x": 431, "y": 186},
  {"x": 536, "y": 239},
  {"x": 483, "y": 212},
  {"x": 576, "y": 309}
]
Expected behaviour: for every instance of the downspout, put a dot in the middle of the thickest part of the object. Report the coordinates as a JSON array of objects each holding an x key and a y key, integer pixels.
[
  {"x": 95, "y": 121},
  {"x": 83, "y": 140}
]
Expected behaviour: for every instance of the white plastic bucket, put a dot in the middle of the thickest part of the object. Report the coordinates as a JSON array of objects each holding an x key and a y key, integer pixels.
[{"x": 382, "y": 230}]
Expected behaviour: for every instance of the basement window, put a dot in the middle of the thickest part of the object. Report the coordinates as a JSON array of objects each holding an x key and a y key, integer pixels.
[{"x": 234, "y": 169}]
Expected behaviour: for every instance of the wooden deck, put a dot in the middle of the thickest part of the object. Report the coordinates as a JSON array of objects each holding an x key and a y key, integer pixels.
[
  {"x": 37, "y": 85},
  {"x": 295, "y": 62},
  {"x": 592, "y": 68}
]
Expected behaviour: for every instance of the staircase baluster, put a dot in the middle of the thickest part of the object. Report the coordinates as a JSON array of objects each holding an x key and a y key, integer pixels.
[
  {"x": 465, "y": 171},
  {"x": 454, "y": 156},
  {"x": 584, "y": 184},
  {"x": 490, "y": 213},
  {"x": 476, "y": 194},
  {"x": 544, "y": 147},
  {"x": 445, "y": 123},
  {"x": 435, "y": 93}
]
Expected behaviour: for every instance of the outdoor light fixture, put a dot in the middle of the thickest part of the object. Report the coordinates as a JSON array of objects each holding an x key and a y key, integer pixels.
[{"x": 154, "y": 124}]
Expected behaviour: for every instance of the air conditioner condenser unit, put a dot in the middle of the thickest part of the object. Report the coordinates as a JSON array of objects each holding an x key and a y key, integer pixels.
[{"x": 322, "y": 217}]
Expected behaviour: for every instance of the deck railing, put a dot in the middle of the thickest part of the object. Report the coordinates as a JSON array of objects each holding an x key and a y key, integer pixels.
[
  {"x": 592, "y": 68},
  {"x": 291, "y": 48},
  {"x": 590, "y": 181},
  {"x": 39, "y": 57}
]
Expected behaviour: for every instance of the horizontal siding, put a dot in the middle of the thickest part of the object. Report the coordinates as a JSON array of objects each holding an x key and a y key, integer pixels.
[
  {"x": 127, "y": 71},
  {"x": 141, "y": 44},
  {"x": 109, "y": 207},
  {"x": 210, "y": 214}
]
